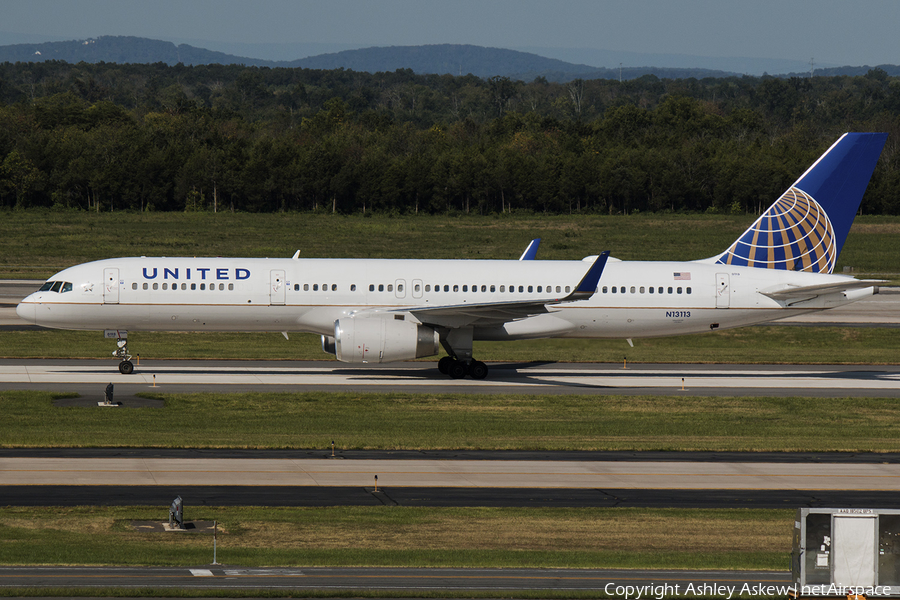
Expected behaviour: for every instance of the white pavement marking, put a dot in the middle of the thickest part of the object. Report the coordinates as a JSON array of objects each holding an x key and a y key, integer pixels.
[
  {"x": 449, "y": 473},
  {"x": 201, "y": 573}
]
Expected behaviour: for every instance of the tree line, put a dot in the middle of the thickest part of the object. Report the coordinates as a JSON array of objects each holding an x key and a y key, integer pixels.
[{"x": 154, "y": 137}]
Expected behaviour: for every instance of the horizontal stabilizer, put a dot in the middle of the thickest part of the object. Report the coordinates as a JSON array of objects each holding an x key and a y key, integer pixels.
[{"x": 811, "y": 291}]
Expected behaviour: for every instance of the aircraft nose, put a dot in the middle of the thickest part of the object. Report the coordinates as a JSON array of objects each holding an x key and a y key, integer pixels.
[{"x": 26, "y": 311}]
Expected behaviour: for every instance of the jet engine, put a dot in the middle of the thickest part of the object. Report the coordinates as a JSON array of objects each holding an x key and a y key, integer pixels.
[{"x": 381, "y": 339}]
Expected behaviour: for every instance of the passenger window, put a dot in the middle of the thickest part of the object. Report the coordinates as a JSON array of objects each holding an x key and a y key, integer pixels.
[
  {"x": 427, "y": 287},
  {"x": 165, "y": 286},
  {"x": 134, "y": 286},
  {"x": 455, "y": 288},
  {"x": 614, "y": 289},
  {"x": 530, "y": 289},
  {"x": 296, "y": 287},
  {"x": 193, "y": 286},
  {"x": 371, "y": 287},
  {"x": 352, "y": 287},
  {"x": 502, "y": 288},
  {"x": 622, "y": 289},
  {"x": 605, "y": 290},
  {"x": 521, "y": 288},
  {"x": 670, "y": 290},
  {"x": 155, "y": 286},
  {"x": 221, "y": 287},
  {"x": 632, "y": 289},
  {"x": 539, "y": 289},
  {"x": 315, "y": 287},
  {"x": 679, "y": 290},
  {"x": 650, "y": 289},
  {"x": 202, "y": 286},
  {"x": 146, "y": 286},
  {"x": 417, "y": 288},
  {"x": 642, "y": 289},
  {"x": 333, "y": 287},
  {"x": 660, "y": 290},
  {"x": 230, "y": 287},
  {"x": 184, "y": 286},
  {"x": 380, "y": 287},
  {"x": 465, "y": 288},
  {"x": 557, "y": 289},
  {"x": 446, "y": 288},
  {"x": 494, "y": 289},
  {"x": 390, "y": 287},
  {"x": 484, "y": 288},
  {"x": 567, "y": 289},
  {"x": 688, "y": 290}
]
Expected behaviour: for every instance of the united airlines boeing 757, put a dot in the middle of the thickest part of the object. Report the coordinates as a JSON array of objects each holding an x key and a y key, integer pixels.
[{"x": 381, "y": 310}]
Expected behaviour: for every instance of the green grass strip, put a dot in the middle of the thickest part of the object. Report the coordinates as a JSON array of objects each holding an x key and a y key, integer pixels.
[
  {"x": 747, "y": 345},
  {"x": 405, "y": 537},
  {"x": 459, "y": 421}
]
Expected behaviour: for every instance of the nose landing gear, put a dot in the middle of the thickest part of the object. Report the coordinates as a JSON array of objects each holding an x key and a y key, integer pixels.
[{"x": 126, "y": 367}]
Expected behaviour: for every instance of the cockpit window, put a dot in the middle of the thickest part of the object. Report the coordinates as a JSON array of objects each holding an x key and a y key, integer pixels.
[{"x": 56, "y": 286}]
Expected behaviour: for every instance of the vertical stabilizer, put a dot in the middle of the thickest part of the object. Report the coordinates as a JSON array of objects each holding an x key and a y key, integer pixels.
[{"x": 806, "y": 227}]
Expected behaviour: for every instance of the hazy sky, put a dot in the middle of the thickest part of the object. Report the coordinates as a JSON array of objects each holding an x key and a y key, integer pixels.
[{"x": 841, "y": 32}]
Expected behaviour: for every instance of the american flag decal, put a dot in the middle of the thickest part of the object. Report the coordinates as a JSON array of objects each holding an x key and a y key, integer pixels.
[{"x": 683, "y": 276}]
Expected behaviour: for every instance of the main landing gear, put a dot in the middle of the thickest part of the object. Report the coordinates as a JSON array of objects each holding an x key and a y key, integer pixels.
[
  {"x": 458, "y": 369},
  {"x": 126, "y": 367},
  {"x": 459, "y": 363}
]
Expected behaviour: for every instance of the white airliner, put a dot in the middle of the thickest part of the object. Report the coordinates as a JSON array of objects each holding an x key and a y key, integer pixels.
[{"x": 380, "y": 310}]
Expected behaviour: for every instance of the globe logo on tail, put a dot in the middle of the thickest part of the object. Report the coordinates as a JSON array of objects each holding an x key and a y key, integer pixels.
[{"x": 795, "y": 234}]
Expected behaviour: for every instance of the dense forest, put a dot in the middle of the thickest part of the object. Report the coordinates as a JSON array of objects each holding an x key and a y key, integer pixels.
[{"x": 156, "y": 137}]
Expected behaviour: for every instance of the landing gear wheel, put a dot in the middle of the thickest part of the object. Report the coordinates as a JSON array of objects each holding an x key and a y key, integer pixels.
[
  {"x": 126, "y": 367},
  {"x": 444, "y": 364},
  {"x": 457, "y": 369},
  {"x": 478, "y": 370}
]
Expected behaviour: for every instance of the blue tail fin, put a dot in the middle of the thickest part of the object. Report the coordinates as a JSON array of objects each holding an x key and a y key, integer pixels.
[{"x": 806, "y": 228}]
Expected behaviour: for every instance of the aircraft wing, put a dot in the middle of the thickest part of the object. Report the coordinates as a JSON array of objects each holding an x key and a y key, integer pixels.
[
  {"x": 797, "y": 293},
  {"x": 497, "y": 313}
]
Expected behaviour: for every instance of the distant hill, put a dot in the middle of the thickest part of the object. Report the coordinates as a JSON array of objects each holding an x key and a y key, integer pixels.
[
  {"x": 121, "y": 49},
  {"x": 457, "y": 59},
  {"x": 454, "y": 59}
]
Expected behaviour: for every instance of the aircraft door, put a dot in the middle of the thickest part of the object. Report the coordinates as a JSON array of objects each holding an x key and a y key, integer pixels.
[
  {"x": 723, "y": 291},
  {"x": 110, "y": 286},
  {"x": 276, "y": 286}
]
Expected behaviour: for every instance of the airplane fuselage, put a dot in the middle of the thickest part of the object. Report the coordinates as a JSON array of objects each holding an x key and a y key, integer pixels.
[{"x": 633, "y": 299}]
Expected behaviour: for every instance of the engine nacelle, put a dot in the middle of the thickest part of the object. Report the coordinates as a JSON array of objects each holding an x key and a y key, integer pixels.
[{"x": 382, "y": 339}]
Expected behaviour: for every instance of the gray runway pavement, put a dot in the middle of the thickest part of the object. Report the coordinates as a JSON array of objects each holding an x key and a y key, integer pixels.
[
  {"x": 448, "y": 473},
  {"x": 89, "y": 378}
]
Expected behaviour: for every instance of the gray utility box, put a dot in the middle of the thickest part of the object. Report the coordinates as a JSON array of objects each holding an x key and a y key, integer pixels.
[{"x": 843, "y": 551}]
